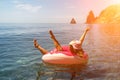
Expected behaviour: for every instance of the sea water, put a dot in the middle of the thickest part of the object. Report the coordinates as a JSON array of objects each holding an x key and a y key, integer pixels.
[{"x": 19, "y": 60}]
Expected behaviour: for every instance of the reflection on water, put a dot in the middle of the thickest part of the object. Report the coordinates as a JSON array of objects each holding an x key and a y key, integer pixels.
[
  {"x": 53, "y": 73},
  {"x": 112, "y": 34},
  {"x": 105, "y": 54},
  {"x": 110, "y": 30},
  {"x": 102, "y": 44}
]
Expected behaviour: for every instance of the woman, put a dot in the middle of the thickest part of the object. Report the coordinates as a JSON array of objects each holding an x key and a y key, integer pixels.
[{"x": 74, "y": 47}]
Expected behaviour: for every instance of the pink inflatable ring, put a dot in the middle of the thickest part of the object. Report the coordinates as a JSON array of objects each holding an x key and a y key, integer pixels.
[{"x": 64, "y": 58}]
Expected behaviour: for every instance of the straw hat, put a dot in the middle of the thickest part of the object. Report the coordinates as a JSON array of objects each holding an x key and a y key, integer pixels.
[{"x": 76, "y": 44}]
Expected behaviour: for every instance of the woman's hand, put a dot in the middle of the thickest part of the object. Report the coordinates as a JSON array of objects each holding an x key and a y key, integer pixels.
[{"x": 87, "y": 29}]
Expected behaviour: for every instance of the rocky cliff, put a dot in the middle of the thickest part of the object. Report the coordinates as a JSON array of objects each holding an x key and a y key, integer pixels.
[
  {"x": 109, "y": 15},
  {"x": 90, "y": 18}
]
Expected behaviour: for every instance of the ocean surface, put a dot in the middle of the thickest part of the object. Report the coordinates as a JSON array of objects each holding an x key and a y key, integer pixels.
[{"x": 19, "y": 60}]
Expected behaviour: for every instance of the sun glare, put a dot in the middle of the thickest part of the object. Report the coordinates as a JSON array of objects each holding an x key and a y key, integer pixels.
[{"x": 115, "y": 1}]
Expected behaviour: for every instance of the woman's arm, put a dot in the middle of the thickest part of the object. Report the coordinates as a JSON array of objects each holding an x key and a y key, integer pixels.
[{"x": 83, "y": 35}]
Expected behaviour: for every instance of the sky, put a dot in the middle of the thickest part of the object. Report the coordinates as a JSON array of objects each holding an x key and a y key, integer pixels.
[{"x": 50, "y": 11}]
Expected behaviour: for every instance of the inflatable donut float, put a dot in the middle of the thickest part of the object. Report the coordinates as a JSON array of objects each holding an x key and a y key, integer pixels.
[{"x": 64, "y": 58}]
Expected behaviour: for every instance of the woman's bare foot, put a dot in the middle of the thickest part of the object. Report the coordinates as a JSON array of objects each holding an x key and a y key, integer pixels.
[
  {"x": 35, "y": 43},
  {"x": 42, "y": 50}
]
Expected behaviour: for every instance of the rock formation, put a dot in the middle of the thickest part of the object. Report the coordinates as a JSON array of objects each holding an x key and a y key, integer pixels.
[
  {"x": 90, "y": 17},
  {"x": 109, "y": 15},
  {"x": 73, "y": 21}
]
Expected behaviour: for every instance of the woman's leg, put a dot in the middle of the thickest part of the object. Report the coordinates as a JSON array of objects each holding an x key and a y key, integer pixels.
[
  {"x": 42, "y": 50},
  {"x": 56, "y": 43}
]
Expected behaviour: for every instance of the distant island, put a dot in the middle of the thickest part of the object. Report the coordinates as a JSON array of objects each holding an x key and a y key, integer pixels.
[
  {"x": 109, "y": 15},
  {"x": 73, "y": 21}
]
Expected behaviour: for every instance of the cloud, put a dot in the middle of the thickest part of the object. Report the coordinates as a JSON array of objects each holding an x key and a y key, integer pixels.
[
  {"x": 28, "y": 7},
  {"x": 15, "y": 1},
  {"x": 70, "y": 7}
]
